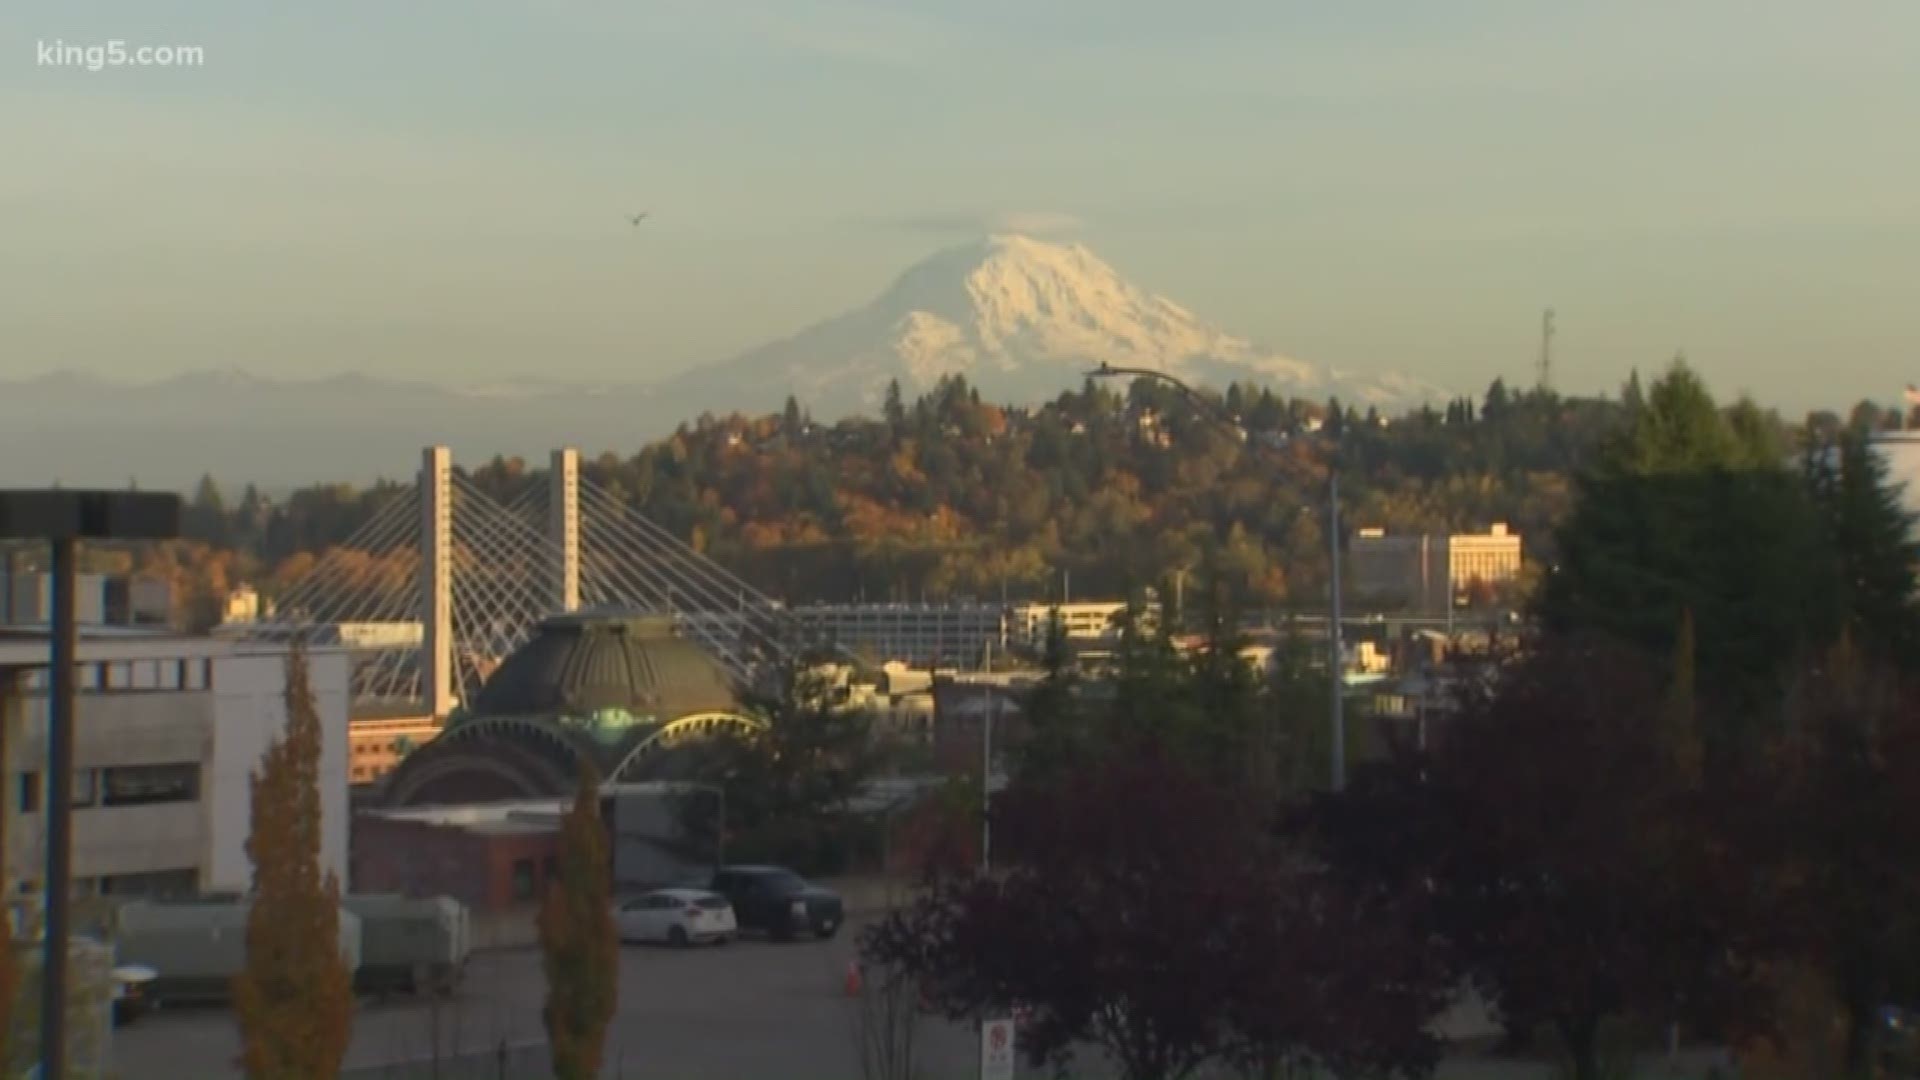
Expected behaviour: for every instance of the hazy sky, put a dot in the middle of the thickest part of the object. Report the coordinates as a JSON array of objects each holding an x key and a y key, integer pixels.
[{"x": 437, "y": 188}]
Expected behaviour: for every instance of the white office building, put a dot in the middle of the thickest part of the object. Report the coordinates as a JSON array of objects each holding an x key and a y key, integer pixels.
[
  {"x": 1083, "y": 621},
  {"x": 167, "y": 733}
]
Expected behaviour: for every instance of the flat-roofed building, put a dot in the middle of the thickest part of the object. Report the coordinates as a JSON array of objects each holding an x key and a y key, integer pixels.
[
  {"x": 1097, "y": 620},
  {"x": 167, "y": 733},
  {"x": 1427, "y": 573}
]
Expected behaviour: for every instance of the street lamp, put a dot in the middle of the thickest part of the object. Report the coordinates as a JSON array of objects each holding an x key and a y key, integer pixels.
[
  {"x": 63, "y": 519},
  {"x": 1219, "y": 415}
]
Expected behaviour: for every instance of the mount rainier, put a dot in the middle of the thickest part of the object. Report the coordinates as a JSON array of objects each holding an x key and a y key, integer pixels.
[{"x": 1022, "y": 320}]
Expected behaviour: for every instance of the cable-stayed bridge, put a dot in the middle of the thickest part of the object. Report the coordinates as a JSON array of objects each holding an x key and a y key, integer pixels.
[{"x": 444, "y": 581}]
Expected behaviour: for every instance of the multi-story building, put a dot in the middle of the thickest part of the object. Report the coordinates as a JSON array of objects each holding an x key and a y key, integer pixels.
[
  {"x": 1085, "y": 621},
  {"x": 1429, "y": 573},
  {"x": 168, "y": 731},
  {"x": 26, "y": 597},
  {"x": 381, "y": 739}
]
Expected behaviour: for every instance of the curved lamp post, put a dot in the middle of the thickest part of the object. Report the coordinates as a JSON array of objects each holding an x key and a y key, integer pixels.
[{"x": 1220, "y": 416}]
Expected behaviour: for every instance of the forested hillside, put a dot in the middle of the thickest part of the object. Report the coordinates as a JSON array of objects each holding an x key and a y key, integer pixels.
[{"x": 950, "y": 496}]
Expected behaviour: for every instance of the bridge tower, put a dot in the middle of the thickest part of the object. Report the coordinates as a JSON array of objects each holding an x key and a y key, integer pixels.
[
  {"x": 563, "y": 528},
  {"x": 436, "y": 579}
]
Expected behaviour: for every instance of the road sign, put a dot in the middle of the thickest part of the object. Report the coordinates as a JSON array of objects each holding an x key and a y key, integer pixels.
[{"x": 996, "y": 1050}]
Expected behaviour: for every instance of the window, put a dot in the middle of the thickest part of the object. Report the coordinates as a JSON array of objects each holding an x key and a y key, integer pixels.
[
  {"x": 139, "y": 785},
  {"x": 157, "y": 883},
  {"x": 523, "y": 879},
  {"x": 29, "y": 792}
]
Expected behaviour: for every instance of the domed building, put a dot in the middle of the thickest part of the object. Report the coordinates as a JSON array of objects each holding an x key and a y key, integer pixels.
[{"x": 620, "y": 691}]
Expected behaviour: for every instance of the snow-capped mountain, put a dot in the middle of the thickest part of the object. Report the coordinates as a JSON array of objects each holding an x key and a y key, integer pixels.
[{"x": 1022, "y": 319}]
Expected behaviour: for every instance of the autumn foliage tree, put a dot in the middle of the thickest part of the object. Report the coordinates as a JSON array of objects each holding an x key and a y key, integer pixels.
[
  {"x": 1563, "y": 850},
  {"x": 1843, "y": 835},
  {"x": 1140, "y": 906},
  {"x": 579, "y": 941},
  {"x": 294, "y": 999}
]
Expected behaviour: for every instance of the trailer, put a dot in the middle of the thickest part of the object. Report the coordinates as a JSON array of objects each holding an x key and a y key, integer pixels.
[
  {"x": 419, "y": 946},
  {"x": 196, "y": 947}
]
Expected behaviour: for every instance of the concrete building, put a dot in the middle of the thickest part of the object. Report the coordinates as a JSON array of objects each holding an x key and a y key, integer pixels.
[
  {"x": 26, "y": 598},
  {"x": 1429, "y": 573},
  {"x": 168, "y": 732}
]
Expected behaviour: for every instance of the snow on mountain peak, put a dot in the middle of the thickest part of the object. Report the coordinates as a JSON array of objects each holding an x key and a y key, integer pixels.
[
  {"x": 1022, "y": 319},
  {"x": 1011, "y": 300}
]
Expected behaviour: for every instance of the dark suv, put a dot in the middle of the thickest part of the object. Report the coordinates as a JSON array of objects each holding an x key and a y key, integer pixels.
[{"x": 779, "y": 901}]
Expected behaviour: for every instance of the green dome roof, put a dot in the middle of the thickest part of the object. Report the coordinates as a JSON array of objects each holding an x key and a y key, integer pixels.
[{"x": 592, "y": 665}]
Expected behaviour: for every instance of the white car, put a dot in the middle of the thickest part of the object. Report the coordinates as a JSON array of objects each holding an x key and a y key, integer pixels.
[{"x": 677, "y": 917}]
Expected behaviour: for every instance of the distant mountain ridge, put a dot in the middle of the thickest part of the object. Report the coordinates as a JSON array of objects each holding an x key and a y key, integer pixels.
[{"x": 1021, "y": 319}]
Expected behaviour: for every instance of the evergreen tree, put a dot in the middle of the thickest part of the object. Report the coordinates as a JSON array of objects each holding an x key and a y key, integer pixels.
[
  {"x": 1498, "y": 400},
  {"x": 895, "y": 409},
  {"x": 1299, "y": 707},
  {"x": 791, "y": 422},
  {"x": 206, "y": 496},
  {"x": 294, "y": 998},
  {"x": 1870, "y": 536},
  {"x": 785, "y": 784},
  {"x": 1632, "y": 397},
  {"x": 206, "y": 513},
  {"x": 1231, "y": 736},
  {"x": 578, "y": 940},
  {"x": 1685, "y": 510}
]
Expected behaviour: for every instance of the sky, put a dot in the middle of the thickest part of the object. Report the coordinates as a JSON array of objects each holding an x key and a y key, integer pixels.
[{"x": 437, "y": 189}]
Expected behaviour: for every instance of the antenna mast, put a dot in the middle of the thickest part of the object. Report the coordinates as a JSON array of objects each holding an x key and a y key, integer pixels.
[{"x": 1546, "y": 349}]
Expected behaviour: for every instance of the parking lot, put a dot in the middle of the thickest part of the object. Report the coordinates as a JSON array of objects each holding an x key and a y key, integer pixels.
[
  {"x": 750, "y": 1009},
  {"x": 753, "y": 1010}
]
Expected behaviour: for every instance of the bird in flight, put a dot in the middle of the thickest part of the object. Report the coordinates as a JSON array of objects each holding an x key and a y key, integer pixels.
[{"x": 638, "y": 218}]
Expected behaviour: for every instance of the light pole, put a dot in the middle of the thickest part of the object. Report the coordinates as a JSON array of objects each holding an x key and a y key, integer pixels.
[
  {"x": 63, "y": 519},
  {"x": 1334, "y": 654},
  {"x": 986, "y": 766}
]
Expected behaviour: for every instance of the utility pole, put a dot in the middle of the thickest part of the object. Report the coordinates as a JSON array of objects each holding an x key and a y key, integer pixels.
[
  {"x": 986, "y": 768},
  {"x": 1546, "y": 349},
  {"x": 1336, "y": 652}
]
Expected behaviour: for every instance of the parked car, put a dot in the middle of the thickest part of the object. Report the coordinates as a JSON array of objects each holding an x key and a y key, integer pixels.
[
  {"x": 779, "y": 901},
  {"x": 677, "y": 917}
]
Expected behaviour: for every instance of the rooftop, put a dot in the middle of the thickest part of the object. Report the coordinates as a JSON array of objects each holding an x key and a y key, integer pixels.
[{"x": 28, "y": 645}]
